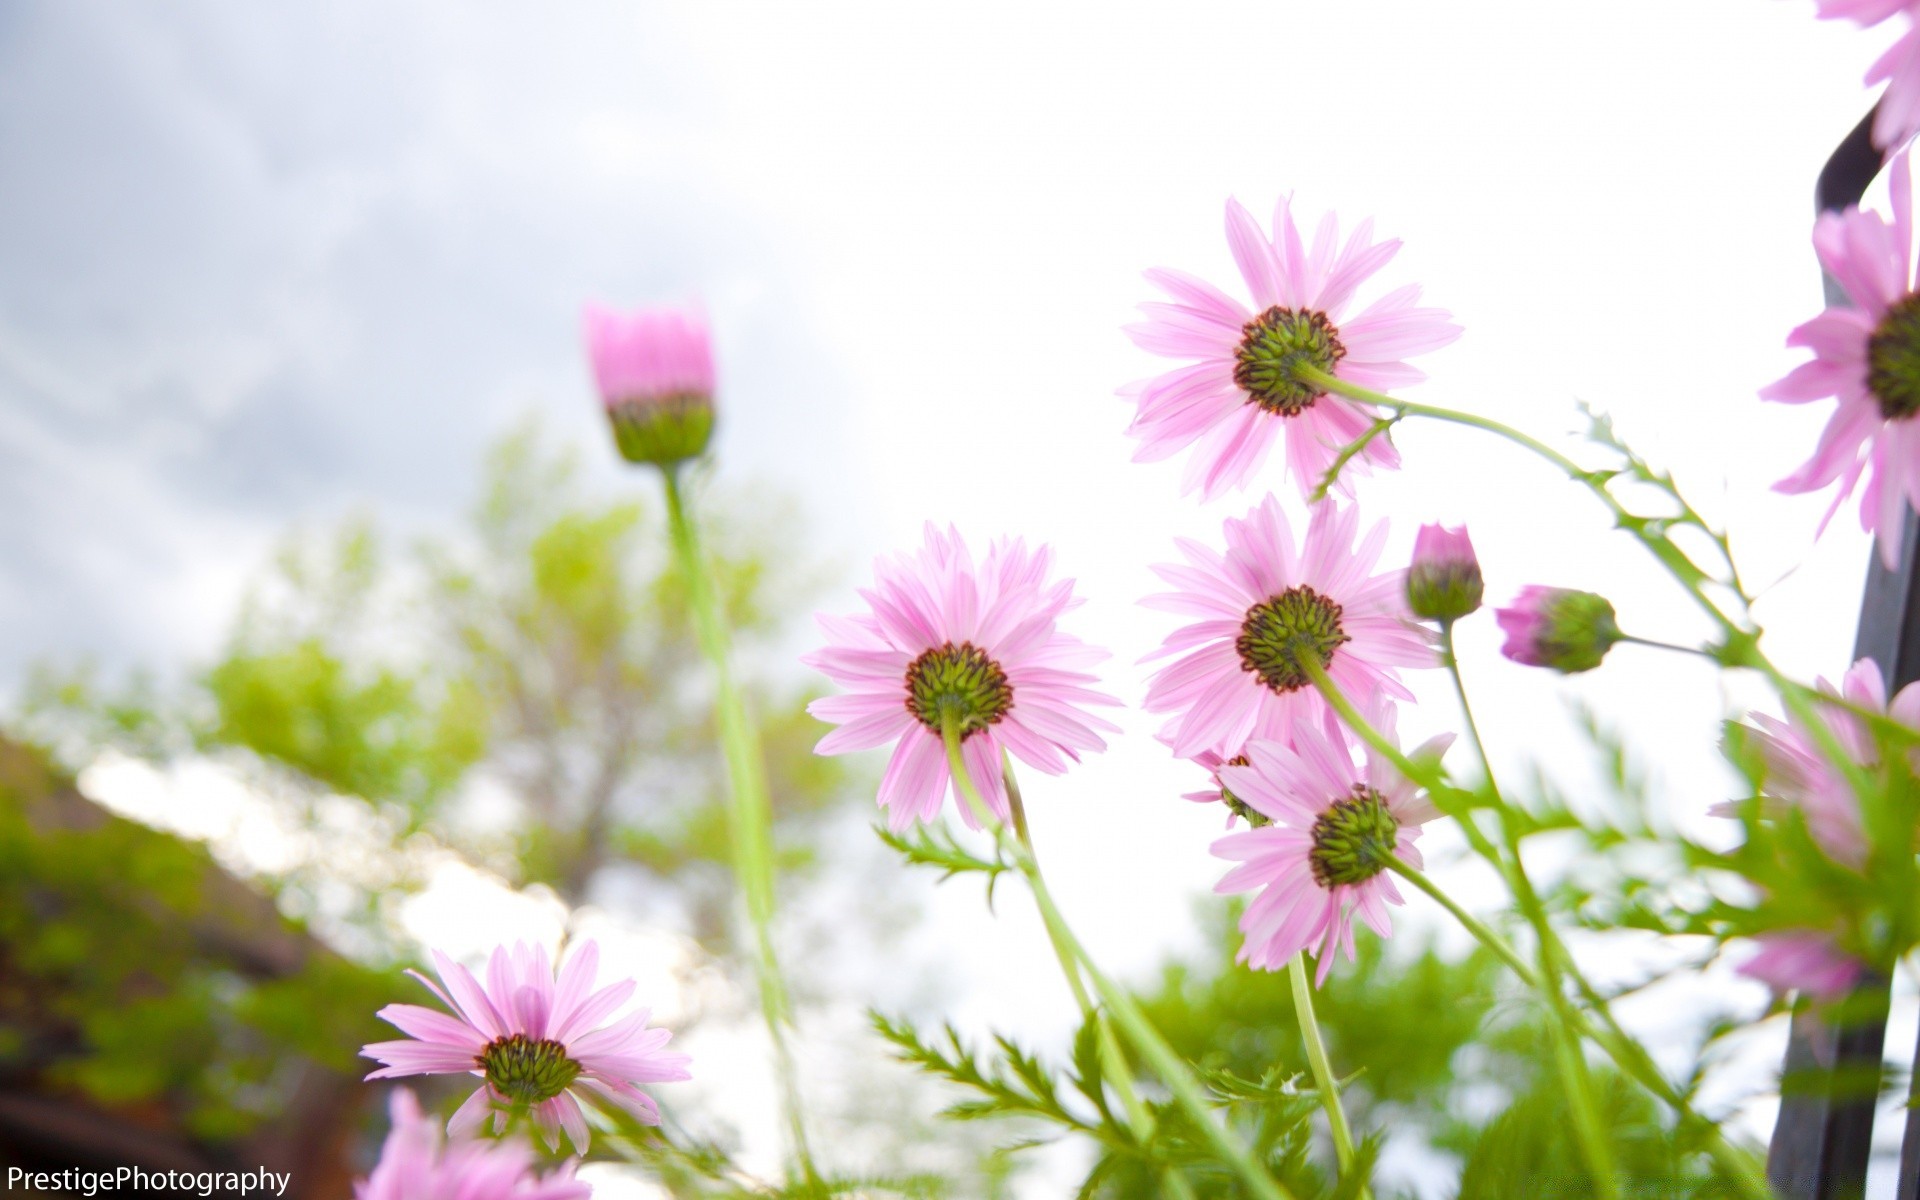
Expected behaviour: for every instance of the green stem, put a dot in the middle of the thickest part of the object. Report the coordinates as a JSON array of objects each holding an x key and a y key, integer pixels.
[
  {"x": 750, "y": 814},
  {"x": 1623, "y": 1050},
  {"x": 1323, "y": 1080},
  {"x": 1589, "y": 1128},
  {"x": 1673, "y": 646},
  {"x": 1074, "y": 958},
  {"x": 1659, "y": 545},
  {"x": 1117, "y": 1070},
  {"x": 1348, "y": 453}
]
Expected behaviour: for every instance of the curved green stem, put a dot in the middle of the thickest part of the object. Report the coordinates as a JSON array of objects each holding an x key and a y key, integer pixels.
[
  {"x": 1323, "y": 1080},
  {"x": 1624, "y": 1051},
  {"x": 1126, "y": 1013},
  {"x": 1117, "y": 1070},
  {"x": 750, "y": 814},
  {"x": 1658, "y": 544},
  {"x": 1589, "y": 1128}
]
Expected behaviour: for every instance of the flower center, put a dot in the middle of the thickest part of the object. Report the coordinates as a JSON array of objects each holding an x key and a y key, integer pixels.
[
  {"x": 526, "y": 1071},
  {"x": 1240, "y": 808},
  {"x": 1282, "y": 629},
  {"x": 1273, "y": 348},
  {"x": 1893, "y": 360},
  {"x": 1353, "y": 839},
  {"x": 961, "y": 681}
]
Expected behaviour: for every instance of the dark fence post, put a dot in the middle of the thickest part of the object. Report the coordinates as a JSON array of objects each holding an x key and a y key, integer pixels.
[{"x": 1830, "y": 1083}]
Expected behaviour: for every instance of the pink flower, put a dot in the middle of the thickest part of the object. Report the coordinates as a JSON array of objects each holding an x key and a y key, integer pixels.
[
  {"x": 1560, "y": 628},
  {"x": 415, "y": 1166},
  {"x": 1444, "y": 581},
  {"x": 1261, "y": 608},
  {"x": 1324, "y": 858},
  {"x": 1805, "y": 961},
  {"x": 1245, "y": 387},
  {"x": 978, "y": 647},
  {"x": 655, "y": 374},
  {"x": 1898, "y": 115},
  {"x": 1212, "y": 760},
  {"x": 537, "y": 1043},
  {"x": 1800, "y": 775},
  {"x": 1866, "y": 354}
]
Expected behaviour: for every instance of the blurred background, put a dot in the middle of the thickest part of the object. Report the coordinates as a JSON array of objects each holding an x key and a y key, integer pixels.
[{"x": 333, "y": 629}]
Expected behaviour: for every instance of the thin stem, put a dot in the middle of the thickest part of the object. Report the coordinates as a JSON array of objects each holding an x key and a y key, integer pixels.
[
  {"x": 1348, "y": 453},
  {"x": 750, "y": 815},
  {"x": 1673, "y": 646},
  {"x": 1623, "y": 1050},
  {"x": 1669, "y": 555},
  {"x": 1132, "y": 1022},
  {"x": 1589, "y": 1128},
  {"x": 1323, "y": 1080},
  {"x": 1115, "y": 1060}
]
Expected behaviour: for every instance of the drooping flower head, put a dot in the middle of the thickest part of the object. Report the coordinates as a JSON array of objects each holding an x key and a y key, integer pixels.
[
  {"x": 1566, "y": 630},
  {"x": 1867, "y": 355},
  {"x": 948, "y": 643},
  {"x": 1897, "y": 117},
  {"x": 415, "y": 1165},
  {"x": 539, "y": 1044},
  {"x": 1246, "y": 385},
  {"x": 1444, "y": 581},
  {"x": 1324, "y": 858},
  {"x": 1805, "y": 961},
  {"x": 655, "y": 374},
  {"x": 1264, "y": 608},
  {"x": 1799, "y": 774}
]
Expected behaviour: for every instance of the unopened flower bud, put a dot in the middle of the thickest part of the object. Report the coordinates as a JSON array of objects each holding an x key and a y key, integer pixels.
[
  {"x": 655, "y": 374},
  {"x": 1558, "y": 627},
  {"x": 1444, "y": 582}
]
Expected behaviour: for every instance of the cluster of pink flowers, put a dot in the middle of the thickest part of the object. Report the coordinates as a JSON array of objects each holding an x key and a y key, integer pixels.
[{"x": 962, "y": 665}]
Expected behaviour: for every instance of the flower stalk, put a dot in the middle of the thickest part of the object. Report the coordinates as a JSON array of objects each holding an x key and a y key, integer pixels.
[
  {"x": 1625, "y": 1053},
  {"x": 1323, "y": 1080},
  {"x": 750, "y": 812},
  {"x": 1074, "y": 959}
]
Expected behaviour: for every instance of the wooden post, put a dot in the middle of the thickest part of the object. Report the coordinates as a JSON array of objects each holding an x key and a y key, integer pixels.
[{"x": 1829, "y": 1087}]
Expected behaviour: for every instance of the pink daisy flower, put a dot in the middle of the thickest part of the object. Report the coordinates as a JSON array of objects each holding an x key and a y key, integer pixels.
[
  {"x": 1898, "y": 116},
  {"x": 654, "y": 370},
  {"x": 1212, "y": 760},
  {"x": 1324, "y": 857},
  {"x": 1244, "y": 388},
  {"x": 1866, "y": 354},
  {"x": 1262, "y": 605},
  {"x": 946, "y": 640},
  {"x": 415, "y": 1166},
  {"x": 1805, "y": 961},
  {"x": 1799, "y": 774},
  {"x": 537, "y": 1043}
]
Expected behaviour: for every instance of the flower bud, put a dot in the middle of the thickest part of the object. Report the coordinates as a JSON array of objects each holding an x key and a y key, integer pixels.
[
  {"x": 1444, "y": 582},
  {"x": 1558, "y": 627},
  {"x": 655, "y": 374}
]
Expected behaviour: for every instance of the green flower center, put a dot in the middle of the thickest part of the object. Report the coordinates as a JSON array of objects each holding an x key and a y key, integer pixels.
[
  {"x": 1280, "y": 630},
  {"x": 1240, "y": 808},
  {"x": 961, "y": 681},
  {"x": 1353, "y": 839},
  {"x": 1893, "y": 360},
  {"x": 1273, "y": 348},
  {"x": 527, "y": 1071}
]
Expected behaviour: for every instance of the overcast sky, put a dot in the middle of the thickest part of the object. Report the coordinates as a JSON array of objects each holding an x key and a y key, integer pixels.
[{"x": 264, "y": 264}]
